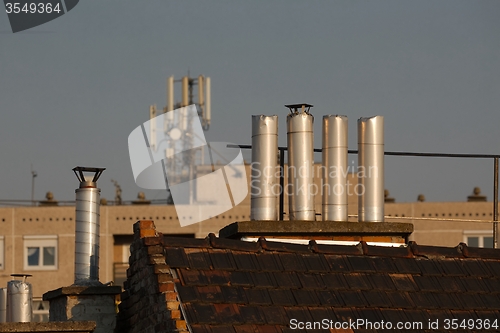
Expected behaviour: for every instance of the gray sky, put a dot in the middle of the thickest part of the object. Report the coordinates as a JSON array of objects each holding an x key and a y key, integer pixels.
[{"x": 73, "y": 89}]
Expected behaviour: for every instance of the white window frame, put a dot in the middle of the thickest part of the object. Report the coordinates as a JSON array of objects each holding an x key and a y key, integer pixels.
[
  {"x": 40, "y": 241},
  {"x": 480, "y": 234},
  {"x": 2, "y": 255}
]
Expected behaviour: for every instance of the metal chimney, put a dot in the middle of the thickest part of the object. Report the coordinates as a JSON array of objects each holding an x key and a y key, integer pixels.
[
  {"x": 3, "y": 305},
  {"x": 264, "y": 193},
  {"x": 300, "y": 162},
  {"x": 87, "y": 227},
  {"x": 19, "y": 300},
  {"x": 371, "y": 169},
  {"x": 334, "y": 189}
]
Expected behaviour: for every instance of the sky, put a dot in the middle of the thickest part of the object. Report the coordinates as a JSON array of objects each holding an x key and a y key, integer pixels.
[{"x": 73, "y": 89}]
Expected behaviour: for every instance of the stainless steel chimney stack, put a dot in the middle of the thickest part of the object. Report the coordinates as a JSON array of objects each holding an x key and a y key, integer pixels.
[
  {"x": 371, "y": 169},
  {"x": 264, "y": 193},
  {"x": 300, "y": 163},
  {"x": 19, "y": 300},
  {"x": 87, "y": 227},
  {"x": 334, "y": 168}
]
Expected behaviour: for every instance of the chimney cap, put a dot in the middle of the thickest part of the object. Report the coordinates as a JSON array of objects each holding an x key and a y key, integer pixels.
[
  {"x": 79, "y": 172},
  {"x": 294, "y": 108}
]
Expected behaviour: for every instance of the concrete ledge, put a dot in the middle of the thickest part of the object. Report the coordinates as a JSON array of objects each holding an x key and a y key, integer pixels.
[
  {"x": 82, "y": 290},
  {"x": 315, "y": 228},
  {"x": 67, "y": 326}
]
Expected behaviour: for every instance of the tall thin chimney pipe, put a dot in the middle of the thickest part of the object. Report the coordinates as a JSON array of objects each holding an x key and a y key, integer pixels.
[
  {"x": 264, "y": 193},
  {"x": 334, "y": 169},
  {"x": 87, "y": 227},
  {"x": 300, "y": 163},
  {"x": 371, "y": 169}
]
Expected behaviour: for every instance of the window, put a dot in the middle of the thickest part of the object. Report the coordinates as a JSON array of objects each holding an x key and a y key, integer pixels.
[
  {"x": 40, "y": 252},
  {"x": 479, "y": 238}
]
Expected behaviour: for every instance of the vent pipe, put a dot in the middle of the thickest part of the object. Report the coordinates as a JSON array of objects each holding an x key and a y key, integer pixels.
[
  {"x": 300, "y": 162},
  {"x": 19, "y": 300},
  {"x": 3, "y": 305},
  {"x": 264, "y": 193},
  {"x": 371, "y": 169},
  {"x": 87, "y": 227},
  {"x": 334, "y": 168}
]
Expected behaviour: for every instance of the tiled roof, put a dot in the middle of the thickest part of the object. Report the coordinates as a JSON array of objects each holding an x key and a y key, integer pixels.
[{"x": 225, "y": 285}]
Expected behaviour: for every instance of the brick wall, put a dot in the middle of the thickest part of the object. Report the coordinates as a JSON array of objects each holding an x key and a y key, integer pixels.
[{"x": 149, "y": 302}]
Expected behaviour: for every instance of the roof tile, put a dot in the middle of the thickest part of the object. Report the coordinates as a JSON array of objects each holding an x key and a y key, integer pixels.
[
  {"x": 319, "y": 313},
  {"x": 383, "y": 264},
  {"x": 408, "y": 266},
  {"x": 429, "y": 267},
  {"x": 292, "y": 262},
  {"x": 423, "y": 300},
  {"x": 175, "y": 257},
  {"x": 329, "y": 298},
  {"x": 335, "y": 281},
  {"x": 452, "y": 267},
  {"x": 435, "y": 251},
  {"x": 227, "y": 313},
  {"x": 192, "y": 277},
  {"x": 493, "y": 284},
  {"x": 268, "y": 329},
  {"x": 475, "y": 267},
  {"x": 360, "y": 264},
  {"x": 275, "y": 315},
  {"x": 476, "y": 252},
  {"x": 210, "y": 294},
  {"x": 198, "y": 258},
  {"x": 394, "y": 316},
  {"x": 305, "y": 297},
  {"x": 447, "y": 301},
  {"x": 197, "y": 328},
  {"x": 473, "y": 284},
  {"x": 399, "y": 299},
  {"x": 263, "y": 279},
  {"x": 240, "y": 278},
  {"x": 352, "y": 298},
  {"x": 205, "y": 313},
  {"x": 309, "y": 280},
  {"x": 258, "y": 296},
  {"x": 217, "y": 277},
  {"x": 251, "y": 314},
  {"x": 234, "y": 295},
  {"x": 222, "y": 329},
  {"x": 269, "y": 262},
  {"x": 382, "y": 282},
  {"x": 427, "y": 283},
  {"x": 282, "y": 297},
  {"x": 493, "y": 266},
  {"x": 337, "y": 263},
  {"x": 298, "y": 312},
  {"x": 222, "y": 259},
  {"x": 287, "y": 279},
  {"x": 376, "y": 298},
  {"x": 187, "y": 293},
  {"x": 245, "y": 328},
  {"x": 245, "y": 261},
  {"x": 315, "y": 262},
  {"x": 344, "y": 314},
  {"x": 403, "y": 282},
  {"x": 358, "y": 281},
  {"x": 450, "y": 284}
]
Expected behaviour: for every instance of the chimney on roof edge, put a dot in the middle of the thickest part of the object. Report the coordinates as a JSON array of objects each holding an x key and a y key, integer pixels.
[{"x": 87, "y": 227}]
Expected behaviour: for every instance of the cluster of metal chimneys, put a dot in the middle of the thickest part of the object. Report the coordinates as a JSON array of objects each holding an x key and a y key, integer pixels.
[{"x": 301, "y": 188}]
